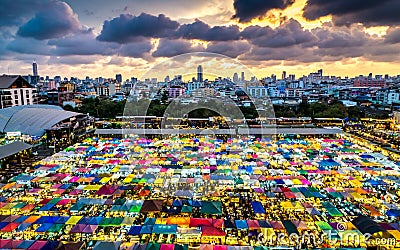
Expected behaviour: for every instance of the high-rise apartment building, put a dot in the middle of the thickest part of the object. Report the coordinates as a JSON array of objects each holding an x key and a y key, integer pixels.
[{"x": 199, "y": 73}]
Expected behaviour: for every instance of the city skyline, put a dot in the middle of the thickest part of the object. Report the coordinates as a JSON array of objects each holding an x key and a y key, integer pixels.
[{"x": 75, "y": 38}]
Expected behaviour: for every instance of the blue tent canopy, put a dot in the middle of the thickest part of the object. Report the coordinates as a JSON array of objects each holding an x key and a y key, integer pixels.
[
  {"x": 135, "y": 230},
  {"x": 146, "y": 229},
  {"x": 241, "y": 224},
  {"x": 264, "y": 224},
  {"x": 177, "y": 203},
  {"x": 149, "y": 221},
  {"x": 164, "y": 229},
  {"x": 393, "y": 212},
  {"x": 366, "y": 156},
  {"x": 25, "y": 244},
  {"x": 23, "y": 226},
  {"x": 21, "y": 219},
  {"x": 43, "y": 219},
  {"x": 95, "y": 220},
  {"x": 257, "y": 207},
  {"x": 47, "y": 207},
  {"x": 44, "y": 227},
  {"x": 84, "y": 220}
]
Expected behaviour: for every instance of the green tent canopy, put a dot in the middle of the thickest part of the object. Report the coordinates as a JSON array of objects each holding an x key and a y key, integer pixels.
[
  {"x": 135, "y": 209},
  {"x": 323, "y": 225},
  {"x": 165, "y": 229},
  {"x": 186, "y": 209},
  {"x": 211, "y": 207}
]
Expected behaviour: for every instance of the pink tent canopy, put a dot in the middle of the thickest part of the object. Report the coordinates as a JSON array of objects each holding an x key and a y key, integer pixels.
[
  {"x": 167, "y": 247},
  {"x": 39, "y": 244},
  {"x": 89, "y": 228}
]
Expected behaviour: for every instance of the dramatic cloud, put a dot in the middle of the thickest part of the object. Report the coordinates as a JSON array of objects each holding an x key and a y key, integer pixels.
[
  {"x": 29, "y": 46},
  {"x": 335, "y": 37},
  {"x": 88, "y": 45},
  {"x": 246, "y": 10},
  {"x": 267, "y": 54},
  {"x": 127, "y": 28},
  {"x": 393, "y": 36},
  {"x": 203, "y": 31},
  {"x": 82, "y": 43},
  {"x": 72, "y": 60},
  {"x": 289, "y": 34},
  {"x": 327, "y": 43},
  {"x": 136, "y": 49},
  {"x": 15, "y": 12},
  {"x": 169, "y": 48},
  {"x": 231, "y": 49},
  {"x": 345, "y": 12},
  {"x": 54, "y": 20},
  {"x": 49, "y": 30}
]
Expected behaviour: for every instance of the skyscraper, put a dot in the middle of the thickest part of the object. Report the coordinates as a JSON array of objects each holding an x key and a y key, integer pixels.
[
  {"x": 242, "y": 77},
  {"x": 199, "y": 73},
  {"x": 283, "y": 75},
  {"x": 118, "y": 77},
  {"x": 235, "y": 77},
  {"x": 34, "y": 67}
]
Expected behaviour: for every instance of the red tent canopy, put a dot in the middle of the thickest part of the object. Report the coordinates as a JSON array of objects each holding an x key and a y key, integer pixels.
[
  {"x": 196, "y": 222},
  {"x": 211, "y": 231}
]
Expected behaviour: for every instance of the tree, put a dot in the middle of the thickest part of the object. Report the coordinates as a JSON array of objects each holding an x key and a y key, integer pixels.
[
  {"x": 68, "y": 107},
  {"x": 102, "y": 108},
  {"x": 164, "y": 96}
]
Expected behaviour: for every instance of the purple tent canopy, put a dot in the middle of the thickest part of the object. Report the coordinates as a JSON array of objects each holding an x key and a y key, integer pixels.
[{"x": 78, "y": 228}]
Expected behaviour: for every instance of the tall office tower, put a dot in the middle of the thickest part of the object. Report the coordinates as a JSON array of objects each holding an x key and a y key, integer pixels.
[
  {"x": 199, "y": 73},
  {"x": 235, "y": 77},
  {"x": 242, "y": 77},
  {"x": 283, "y": 75},
  {"x": 118, "y": 77},
  {"x": 320, "y": 72},
  {"x": 34, "y": 67}
]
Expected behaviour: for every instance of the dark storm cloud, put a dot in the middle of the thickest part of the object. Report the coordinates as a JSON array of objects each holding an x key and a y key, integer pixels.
[
  {"x": 54, "y": 20},
  {"x": 88, "y": 45},
  {"x": 345, "y": 42},
  {"x": 170, "y": 48},
  {"x": 346, "y": 12},
  {"x": 393, "y": 36},
  {"x": 267, "y": 54},
  {"x": 328, "y": 43},
  {"x": 137, "y": 49},
  {"x": 127, "y": 28},
  {"x": 5, "y": 38},
  {"x": 71, "y": 60},
  {"x": 289, "y": 34},
  {"x": 15, "y": 12},
  {"x": 82, "y": 43},
  {"x": 29, "y": 46},
  {"x": 232, "y": 49},
  {"x": 329, "y": 37},
  {"x": 203, "y": 31},
  {"x": 246, "y": 10}
]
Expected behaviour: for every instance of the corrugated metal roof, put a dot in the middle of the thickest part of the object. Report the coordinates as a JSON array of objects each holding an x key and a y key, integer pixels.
[
  {"x": 240, "y": 131},
  {"x": 32, "y": 119},
  {"x": 13, "y": 148}
]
